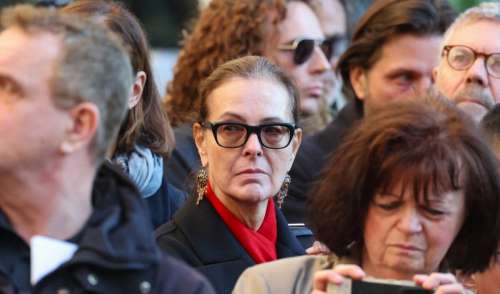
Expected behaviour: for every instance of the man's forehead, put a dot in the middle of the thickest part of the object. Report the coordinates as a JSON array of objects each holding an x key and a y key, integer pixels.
[
  {"x": 408, "y": 49},
  {"x": 479, "y": 35},
  {"x": 27, "y": 49}
]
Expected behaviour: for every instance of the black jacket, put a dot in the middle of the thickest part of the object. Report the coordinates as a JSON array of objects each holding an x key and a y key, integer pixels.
[
  {"x": 164, "y": 203},
  {"x": 184, "y": 161},
  {"x": 116, "y": 251},
  {"x": 313, "y": 155},
  {"x": 198, "y": 236}
]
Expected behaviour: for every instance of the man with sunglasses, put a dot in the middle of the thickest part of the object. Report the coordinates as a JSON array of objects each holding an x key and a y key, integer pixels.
[
  {"x": 393, "y": 51},
  {"x": 303, "y": 53},
  {"x": 332, "y": 17},
  {"x": 469, "y": 68}
]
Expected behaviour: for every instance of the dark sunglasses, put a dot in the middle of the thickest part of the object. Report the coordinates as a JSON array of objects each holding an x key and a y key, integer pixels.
[
  {"x": 303, "y": 49},
  {"x": 339, "y": 44}
]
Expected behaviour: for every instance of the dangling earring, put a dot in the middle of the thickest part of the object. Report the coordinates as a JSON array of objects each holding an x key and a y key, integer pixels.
[
  {"x": 283, "y": 190},
  {"x": 201, "y": 184}
]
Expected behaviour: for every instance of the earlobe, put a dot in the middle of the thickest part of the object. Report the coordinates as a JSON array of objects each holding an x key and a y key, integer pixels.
[
  {"x": 434, "y": 74},
  {"x": 358, "y": 80},
  {"x": 296, "y": 141},
  {"x": 199, "y": 140},
  {"x": 84, "y": 121}
]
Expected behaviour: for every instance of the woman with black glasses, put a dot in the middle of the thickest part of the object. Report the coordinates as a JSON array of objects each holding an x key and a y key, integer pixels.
[
  {"x": 247, "y": 138},
  {"x": 286, "y": 32}
]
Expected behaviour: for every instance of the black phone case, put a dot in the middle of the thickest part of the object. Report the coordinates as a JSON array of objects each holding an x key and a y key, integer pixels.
[{"x": 364, "y": 287}]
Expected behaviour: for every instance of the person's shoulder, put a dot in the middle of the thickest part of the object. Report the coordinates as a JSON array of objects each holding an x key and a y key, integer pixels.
[
  {"x": 287, "y": 275},
  {"x": 171, "y": 240},
  {"x": 291, "y": 264},
  {"x": 177, "y": 277}
]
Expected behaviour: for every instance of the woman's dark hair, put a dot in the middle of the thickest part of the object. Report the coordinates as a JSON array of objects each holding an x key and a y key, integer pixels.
[
  {"x": 386, "y": 19},
  {"x": 248, "y": 67},
  {"x": 146, "y": 123},
  {"x": 431, "y": 147}
]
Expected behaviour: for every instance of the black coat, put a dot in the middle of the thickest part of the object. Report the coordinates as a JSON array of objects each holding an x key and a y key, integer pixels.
[
  {"x": 163, "y": 204},
  {"x": 184, "y": 161},
  {"x": 199, "y": 236},
  {"x": 313, "y": 155},
  {"x": 116, "y": 251}
]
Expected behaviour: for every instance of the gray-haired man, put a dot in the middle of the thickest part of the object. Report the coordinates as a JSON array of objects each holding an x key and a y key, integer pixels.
[{"x": 65, "y": 224}]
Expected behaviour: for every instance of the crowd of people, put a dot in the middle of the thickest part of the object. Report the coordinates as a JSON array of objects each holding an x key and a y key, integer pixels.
[{"x": 301, "y": 145}]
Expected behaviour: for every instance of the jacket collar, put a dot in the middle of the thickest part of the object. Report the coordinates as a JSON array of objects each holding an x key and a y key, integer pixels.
[
  {"x": 118, "y": 229},
  {"x": 328, "y": 138},
  {"x": 213, "y": 242}
]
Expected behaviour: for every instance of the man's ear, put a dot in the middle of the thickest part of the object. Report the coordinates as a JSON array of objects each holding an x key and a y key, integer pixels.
[
  {"x": 357, "y": 76},
  {"x": 200, "y": 141},
  {"x": 137, "y": 89},
  {"x": 434, "y": 74},
  {"x": 84, "y": 121}
]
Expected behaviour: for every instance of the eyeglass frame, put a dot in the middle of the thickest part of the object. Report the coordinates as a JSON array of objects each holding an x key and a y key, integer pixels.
[
  {"x": 295, "y": 43},
  {"x": 249, "y": 131},
  {"x": 446, "y": 54}
]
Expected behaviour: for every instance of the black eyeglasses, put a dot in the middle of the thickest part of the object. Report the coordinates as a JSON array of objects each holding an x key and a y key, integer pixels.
[
  {"x": 303, "y": 49},
  {"x": 461, "y": 57},
  {"x": 234, "y": 135}
]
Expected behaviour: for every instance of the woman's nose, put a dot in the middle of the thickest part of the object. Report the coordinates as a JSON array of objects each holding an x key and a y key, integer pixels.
[
  {"x": 252, "y": 146},
  {"x": 410, "y": 221}
]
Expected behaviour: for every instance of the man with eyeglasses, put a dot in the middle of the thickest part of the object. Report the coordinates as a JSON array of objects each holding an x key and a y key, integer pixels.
[
  {"x": 469, "y": 69},
  {"x": 393, "y": 51}
]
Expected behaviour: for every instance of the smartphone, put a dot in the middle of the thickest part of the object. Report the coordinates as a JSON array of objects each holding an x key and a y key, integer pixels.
[{"x": 376, "y": 286}]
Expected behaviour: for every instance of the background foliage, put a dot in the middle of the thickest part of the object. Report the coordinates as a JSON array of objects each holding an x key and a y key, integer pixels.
[{"x": 164, "y": 20}]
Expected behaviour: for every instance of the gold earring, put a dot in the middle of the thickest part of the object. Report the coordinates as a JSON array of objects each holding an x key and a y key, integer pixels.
[
  {"x": 283, "y": 190},
  {"x": 201, "y": 184}
]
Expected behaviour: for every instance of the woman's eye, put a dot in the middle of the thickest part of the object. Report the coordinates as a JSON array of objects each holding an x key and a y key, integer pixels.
[
  {"x": 433, "y": 211},
  {"x": 231, "y": 129},
  {"x": 389, "y": 206},
  {"x": 273, "y": 131}
]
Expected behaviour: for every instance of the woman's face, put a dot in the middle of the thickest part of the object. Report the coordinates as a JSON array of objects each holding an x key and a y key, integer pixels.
[
  {"x": 250, "y": 173},
  {"x": 403, "y": 237},
  {"x": 310, "y": 76}
]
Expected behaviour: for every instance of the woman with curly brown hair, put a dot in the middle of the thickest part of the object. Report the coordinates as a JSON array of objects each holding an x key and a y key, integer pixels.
[{"x": 285, "y": 31}]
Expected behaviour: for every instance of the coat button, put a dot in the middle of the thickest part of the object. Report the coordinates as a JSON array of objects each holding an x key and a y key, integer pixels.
[
  {"x": 145, "y": 287},
  {"x": 62, "y": 291},
  {"x": 92, "y": 279}
]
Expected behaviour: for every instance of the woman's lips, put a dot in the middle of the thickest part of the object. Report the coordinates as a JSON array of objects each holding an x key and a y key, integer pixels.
[
  {"x": 250, "y": 171},
  {"x": 407, "y": 247}
]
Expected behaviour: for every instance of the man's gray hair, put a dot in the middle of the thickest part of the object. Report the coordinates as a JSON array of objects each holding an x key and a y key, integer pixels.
[
  {"x": 93, "y": 66},
  {"x": 489, "y": 11}
]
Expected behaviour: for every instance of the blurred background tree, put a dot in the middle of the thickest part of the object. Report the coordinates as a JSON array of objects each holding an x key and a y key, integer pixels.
[
  {"x": 165, "y": 20},
  {"x": 461, "y": 5}
]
